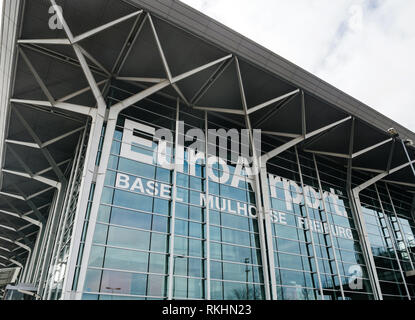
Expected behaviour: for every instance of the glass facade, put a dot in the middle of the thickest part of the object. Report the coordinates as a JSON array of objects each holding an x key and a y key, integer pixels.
[
  {"x": 115, "y": 189},
  {"x": 192, "y": 231},
  {"x": 315, "y": 244}
]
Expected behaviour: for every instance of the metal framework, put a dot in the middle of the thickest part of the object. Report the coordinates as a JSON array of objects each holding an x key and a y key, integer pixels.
[{"x": 103, "y": 117}]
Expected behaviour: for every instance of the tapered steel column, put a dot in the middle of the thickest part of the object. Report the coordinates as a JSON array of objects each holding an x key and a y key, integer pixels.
[
  {"x": 257, "y": 183},
  {"x": 365, "y": 243}
]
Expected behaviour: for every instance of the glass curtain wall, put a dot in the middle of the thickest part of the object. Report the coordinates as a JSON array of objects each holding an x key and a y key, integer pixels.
[
  {"x": 316, "y": 246},
  {"x": 390, "y": 230}
]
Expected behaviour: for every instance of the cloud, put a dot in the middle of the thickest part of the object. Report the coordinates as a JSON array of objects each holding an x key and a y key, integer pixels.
[{"x": 363, "y": 47}]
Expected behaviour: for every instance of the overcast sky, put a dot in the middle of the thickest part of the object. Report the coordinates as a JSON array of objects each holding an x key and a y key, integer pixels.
[{"x": 364, "y": 47}]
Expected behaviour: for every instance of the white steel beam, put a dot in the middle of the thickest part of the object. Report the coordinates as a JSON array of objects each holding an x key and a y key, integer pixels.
[
  {"x": 331, "y": 154},
  {"x": 349, "y": 166},
  {"x": 59, "y": 105},
  {"x": 359, "y": 153},
  {"x": 40, "y": 82},
  {"x": 138, "y": 79},
  {"x": 210, "y": 81},
  {"x": 407, "y": 155},
  {"x": 62, "y": 21},
  {"x": 8, "y": 228},
  {"x": 128, "y": 44},
  {"x": 19, "y": 215},
  {"x": 44, "y": 180},
  {"x": 251, "y": 110},
  {"x": 405, "y": 184},
  {"x": 113, "y": 113},
  {"x": 50, "y": 168},
  {"x": 110, "y": 24},
  {"x": 24, "y": 227},
  {"x": 91, "y": 80},
  {"x": 12, "y": 195},
  {"x": 164, "y": 60},
  {"x": 44, "y": 151},
  {"x": 274, "y": 111},
  {"x": 16, "y": 263},
  {"x": 67, "y": 134},
  {"x": 16, "y": 242},
  {"x": 79, "y": 92},
  {"x": 367, "y": 169},
  {"x": 160, "y": 49},
  {"x": 63, "y": 223},
  {"x": 38, "y": 193},
  {"x": 281, "y": 134},
  {"x": 159, "y": 86},
  {"x": 19, "y": 160},
  {"x": 12, "y": 260},
  {"x": 221, "y": 110},
  {"x": 39, "y": 208},
  {"x": 22, "y": 143},
  {"x": 44, "y": 41}
]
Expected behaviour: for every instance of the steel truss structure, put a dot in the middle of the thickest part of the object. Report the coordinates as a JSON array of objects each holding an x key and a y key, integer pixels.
[{"x": 43, "y": 201}]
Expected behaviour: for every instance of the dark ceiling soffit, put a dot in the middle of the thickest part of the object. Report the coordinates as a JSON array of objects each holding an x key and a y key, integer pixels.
[{"x": 219, "y": 35}]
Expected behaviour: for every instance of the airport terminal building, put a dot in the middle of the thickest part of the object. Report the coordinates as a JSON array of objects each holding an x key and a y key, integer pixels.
[{"x": 149, "y": 152}]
